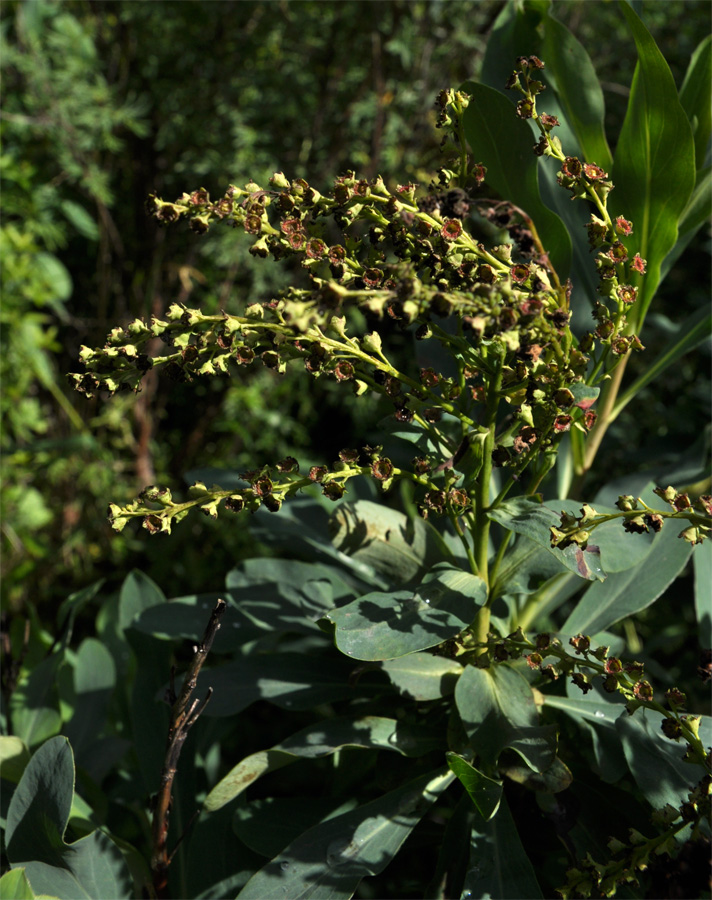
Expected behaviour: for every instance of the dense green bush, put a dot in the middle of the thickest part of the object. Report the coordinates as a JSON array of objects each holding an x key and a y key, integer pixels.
[{"x": 450, "y": 624}]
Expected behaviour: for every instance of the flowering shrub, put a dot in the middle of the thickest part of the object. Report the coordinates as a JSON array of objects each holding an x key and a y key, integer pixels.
[{"x": 446, "y": 632}]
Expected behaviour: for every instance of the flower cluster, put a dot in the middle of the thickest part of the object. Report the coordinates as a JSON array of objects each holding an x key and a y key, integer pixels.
[
  {"x": 618, "y": 272},
  {"x": 638, "y": 518}
]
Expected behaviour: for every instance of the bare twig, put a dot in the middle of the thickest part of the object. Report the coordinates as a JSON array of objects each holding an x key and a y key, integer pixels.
[{"x": 183, "y": 717}]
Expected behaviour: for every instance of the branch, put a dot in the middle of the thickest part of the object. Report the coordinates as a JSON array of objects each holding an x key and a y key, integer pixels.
[{"x": 183, "y": 717}]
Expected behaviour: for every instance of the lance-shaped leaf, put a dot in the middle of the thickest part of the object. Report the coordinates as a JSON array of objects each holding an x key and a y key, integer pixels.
[
  {"x": 696, "y": 98},
  {"x": 330, "y": 859},
  {"x": 497, "y": 709},
  {"x": 323, "y": 739},
  {"x": 485, "y": 792},
  {"x": 578, "y": 90},
  {"x": 654, "y": 165},
  {"x": 389, "y": 625},
  {"x": 504, "y": 144},
  {"x": 499, "y": 866},
  {"x": 626, "y": 593},
  {"x": 36, "y": 822}
]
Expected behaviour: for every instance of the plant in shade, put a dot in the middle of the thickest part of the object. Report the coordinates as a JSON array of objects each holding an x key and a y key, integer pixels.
[{"x": 438, "y": 602}]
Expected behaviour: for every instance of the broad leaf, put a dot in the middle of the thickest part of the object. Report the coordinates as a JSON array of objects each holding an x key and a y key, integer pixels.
[
  {"x": 422, "y": 676},
  {"x": 323, "y": 739},
  {"x": 330, "y": 859},
  {"x": 92, "y": 867},
  {"x": 504, "y": 144},
  {"x": 396, "y": 547},
  {"x": 485, "y": 792},
  {"x": 497, "y": 709},
  {"x": 499, "y": 866},
  {"x": 389, "y": 625},
  {"x": 654, "y": 166}
]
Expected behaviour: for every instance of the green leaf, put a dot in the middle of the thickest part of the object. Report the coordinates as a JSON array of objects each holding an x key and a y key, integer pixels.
[
  {"x": 330, "y": 859},
  {"x": 14, "y": 757},
  {"x": 80, "y": 218},
  {"x": 55, "y": 273},
  {"x": 655, "y": 761},
  {"x": 696, "y": 98},
  {"x": 532, "y": 519},
  {"x": 389, "y": 625},
  {"x": 497, "y": 709},
  {"x": 322, "y": 739},
  {"x": 625, "y": 593},
  {"x": 654, "y": 166},
  {"x": 485, "y": 792},
  {"x": 499, "y": 866},
  {"x": 504, "y": 144},
  {"x": 578, "y": 90},
  {"x": 702, "y": 561},
  {"x": 422, "y": 676},
  {"x": 391, "y": 544},
  {"x": 92, "y": 867}
]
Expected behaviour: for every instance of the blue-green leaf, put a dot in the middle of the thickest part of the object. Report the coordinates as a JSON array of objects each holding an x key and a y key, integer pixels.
[
  {"x": 388, "y": 625},
  {"x": 626, "y": 593},
  {"x": 92, "y": 867},
  {"x": 497, "y": 709},
  {"x": 422, "y": 676}
]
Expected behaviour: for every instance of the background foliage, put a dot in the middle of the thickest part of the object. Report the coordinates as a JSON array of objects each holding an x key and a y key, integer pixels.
[{"x": 107, "y": 102}]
